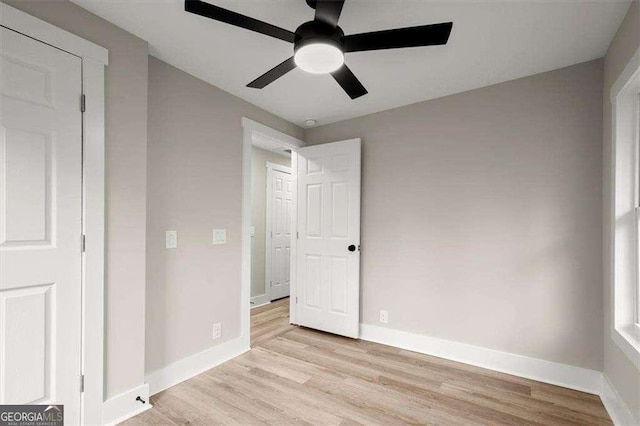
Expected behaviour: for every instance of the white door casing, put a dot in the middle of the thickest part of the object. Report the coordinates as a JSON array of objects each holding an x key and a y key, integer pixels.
[
  {"x": 279, "y": 207},
  {"x": 328, "y": 254},
  {"x": 40, "y": 224}
]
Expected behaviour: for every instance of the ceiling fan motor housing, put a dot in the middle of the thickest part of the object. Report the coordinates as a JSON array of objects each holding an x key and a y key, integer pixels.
[{"x": 316, "y": 32}]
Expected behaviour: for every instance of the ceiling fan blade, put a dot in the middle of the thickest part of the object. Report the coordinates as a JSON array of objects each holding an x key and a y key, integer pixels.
[
  {"x": 349, "y": 82},
  {"x": 273, "y": 74},
  {"x": 208, "y": 10},
  {"x": 425, "y": 35},
  {"x": 328, "y": 11}
]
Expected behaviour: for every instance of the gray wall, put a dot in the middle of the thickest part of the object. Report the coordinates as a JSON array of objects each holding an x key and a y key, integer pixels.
[
  {"x": 126, "y": 162},
  {"x": 194, "y": 185},
  {"x": 617, "y": 366},
  {"x": 259, "y": 158},
  {"x": 482, "y": 218}
]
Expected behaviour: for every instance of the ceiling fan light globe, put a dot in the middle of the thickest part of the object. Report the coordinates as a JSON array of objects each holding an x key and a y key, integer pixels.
[{"x": 319, "y": 58}]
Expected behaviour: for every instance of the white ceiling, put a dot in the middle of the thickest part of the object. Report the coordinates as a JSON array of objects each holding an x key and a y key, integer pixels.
[{"x": 491, "y": 42}]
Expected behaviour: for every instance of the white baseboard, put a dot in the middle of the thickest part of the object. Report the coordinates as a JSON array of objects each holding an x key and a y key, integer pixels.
[
  {"x": 124, "y": 406},
  {"x": 189, "y": 367},
  {"x": 615, "y": 406},
  {"x": 568, "y": 376},
  {"x": 261, "y": 300}
]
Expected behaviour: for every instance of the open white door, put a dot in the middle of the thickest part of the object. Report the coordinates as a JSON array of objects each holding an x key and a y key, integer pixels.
[
  {"x": 328, "y": 252},
  {"x": 40, "y": 224}
]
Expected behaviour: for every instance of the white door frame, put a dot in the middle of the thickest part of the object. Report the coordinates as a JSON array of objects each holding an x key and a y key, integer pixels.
[
  {"x": 94, "y": 59},
  {"x": 268, "y": 237},
  {"x": 250, "y": 127}
]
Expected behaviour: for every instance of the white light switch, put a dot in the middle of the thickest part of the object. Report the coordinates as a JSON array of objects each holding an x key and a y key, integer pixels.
[
  {"x": 219, "y": 236},
  {"x": 171, "y": 239}
]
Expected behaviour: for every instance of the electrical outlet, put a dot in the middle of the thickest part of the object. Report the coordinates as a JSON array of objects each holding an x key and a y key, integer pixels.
[
  {"x": 217, "y": 330},
  {"x": 384, "y": 316}
]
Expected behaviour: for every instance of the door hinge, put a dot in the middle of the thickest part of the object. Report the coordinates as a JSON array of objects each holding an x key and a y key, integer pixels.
[
  {"x": 297, "y": 235},
  {"x": 81, "y": 383},
  {"x": 83, "y": 103},
  {"x": 83, "y": 243},
  {"x": 296, "y": 300}
]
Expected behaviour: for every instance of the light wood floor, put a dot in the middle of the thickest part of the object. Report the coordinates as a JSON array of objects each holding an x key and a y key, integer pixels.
[{"x": 295, "y": 375}]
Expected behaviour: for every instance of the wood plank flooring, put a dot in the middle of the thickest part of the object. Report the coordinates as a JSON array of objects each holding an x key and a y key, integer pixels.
[{"x": 294, "y": 375}]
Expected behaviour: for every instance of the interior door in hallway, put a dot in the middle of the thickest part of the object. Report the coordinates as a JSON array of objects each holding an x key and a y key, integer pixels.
[
  {"x": 328, "y": 249},
  {"x": 40, "y": 224},
  {"x": 280, "y": 200}
]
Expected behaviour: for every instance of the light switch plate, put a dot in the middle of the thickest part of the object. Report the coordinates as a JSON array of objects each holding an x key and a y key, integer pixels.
[
  {"x": 219, "y": 236},
  {"x": 253, "y": 231},
  {"x": 171, "y": 239}
]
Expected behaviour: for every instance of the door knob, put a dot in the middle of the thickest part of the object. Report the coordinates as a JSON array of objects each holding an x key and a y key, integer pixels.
[{"x": 352, "y": 247}]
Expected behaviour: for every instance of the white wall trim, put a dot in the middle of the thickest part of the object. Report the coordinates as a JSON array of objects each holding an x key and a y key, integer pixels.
[
  {"x": 261, "y": 300},
  {"x": 94, "y": 229},
  {"x": 626, "y": 76},
  {"x": 193, "y": 365},
  {"x": 250, "y": 127},
  {"x": 281, "y": 138},
  {"x": 624, "y": 255},
  {"x": 278, "y": 167},
  {"x": 124, "y": 406},
  {"x": 267, "y": 231},
  {"x": 568, "y": 376},
  {"x": 293, "y": 265},
  {"x": 33, "y": 27},
  {"x": 615, "y": 405},
  {"x": 94, "y": 58}
]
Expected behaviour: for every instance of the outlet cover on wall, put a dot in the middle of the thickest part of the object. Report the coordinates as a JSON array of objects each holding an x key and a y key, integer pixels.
[
  {"x": 217, "y": 330},
  {"x": 219, "y": 236},
  {"x": 171, "y": 239},
  {"x": 384, "y": 316},
  {"x": 253, "y": 231}
]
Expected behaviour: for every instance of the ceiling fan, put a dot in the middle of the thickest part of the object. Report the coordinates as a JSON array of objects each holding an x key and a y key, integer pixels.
[{"x": 319, "y": 45}]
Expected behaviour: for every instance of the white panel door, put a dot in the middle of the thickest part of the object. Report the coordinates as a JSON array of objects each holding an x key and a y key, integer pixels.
[
  {"x": 280, "y": 195},
  {"x": 40, "y": 224},
  {"x": 328, "y": 253}
]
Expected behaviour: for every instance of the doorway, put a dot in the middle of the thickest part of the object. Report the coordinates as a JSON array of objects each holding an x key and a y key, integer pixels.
[
  {"x": 269, "y": 189},
  {"x": 324, "y": 271},
  {"x": 271, "y": 204}
]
